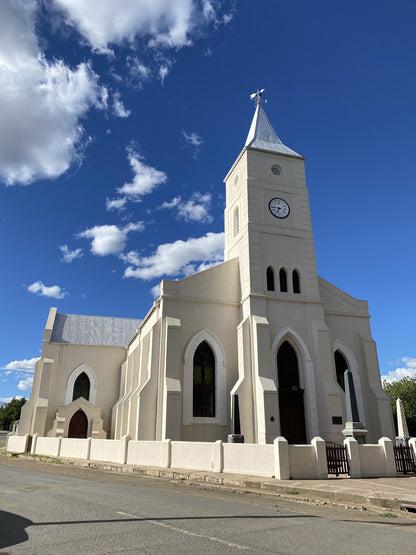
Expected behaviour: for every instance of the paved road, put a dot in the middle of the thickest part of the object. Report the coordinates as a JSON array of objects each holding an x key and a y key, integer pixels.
[{"x": 70, "y": 510}]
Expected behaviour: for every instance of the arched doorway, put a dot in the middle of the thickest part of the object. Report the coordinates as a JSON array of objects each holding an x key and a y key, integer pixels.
[
  {"x": 78, "y": 426},
  {"x": 292, "y": 412}
]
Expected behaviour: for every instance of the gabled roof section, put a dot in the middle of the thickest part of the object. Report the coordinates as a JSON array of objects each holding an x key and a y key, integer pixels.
[
  {"x": 263, "y": 136},
  {"x": 93, "y": 330}
]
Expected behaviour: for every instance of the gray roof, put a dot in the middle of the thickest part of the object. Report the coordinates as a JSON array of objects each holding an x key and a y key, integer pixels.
[
  {"x": 263, "y": 136},
  {"x": 93, "y": 330}
]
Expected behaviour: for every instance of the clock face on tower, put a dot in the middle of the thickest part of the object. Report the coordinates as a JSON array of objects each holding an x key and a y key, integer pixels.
[{"x": 279, "y": 208}]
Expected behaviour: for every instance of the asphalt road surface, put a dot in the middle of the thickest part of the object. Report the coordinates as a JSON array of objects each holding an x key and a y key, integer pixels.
[{"x": 59, "y": 509}]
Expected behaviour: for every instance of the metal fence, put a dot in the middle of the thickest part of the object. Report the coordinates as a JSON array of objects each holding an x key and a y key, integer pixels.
[
  {"x": 337, "y": 459},
  {"x": 405, "y": 460}
]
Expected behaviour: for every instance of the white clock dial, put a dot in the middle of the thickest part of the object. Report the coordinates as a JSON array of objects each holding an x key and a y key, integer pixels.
[{"x": 279, "y": 208}]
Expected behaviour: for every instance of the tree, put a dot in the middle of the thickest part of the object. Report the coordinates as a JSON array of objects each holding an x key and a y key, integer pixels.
[
  {"x": 404, "y": 389},
  {"x": 10, "y": 412}
]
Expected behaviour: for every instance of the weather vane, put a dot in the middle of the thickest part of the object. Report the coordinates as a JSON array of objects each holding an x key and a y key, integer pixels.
[{"x": 257, "y": 96}]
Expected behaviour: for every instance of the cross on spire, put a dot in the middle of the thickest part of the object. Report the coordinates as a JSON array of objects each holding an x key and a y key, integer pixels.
[{"x": 257, "y": 97}]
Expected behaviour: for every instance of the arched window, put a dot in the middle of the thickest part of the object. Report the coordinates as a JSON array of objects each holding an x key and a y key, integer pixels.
[
  {"x": 204, "y": 381},
  {"x": 270, "y": 279},
  {"x": 296, "y": 281},
  {"x": 283, "y": 280},
  {"x": 81, "y": 387},
  {"x": 236, "y": 221},
  {"x": 340, "y": 367}
]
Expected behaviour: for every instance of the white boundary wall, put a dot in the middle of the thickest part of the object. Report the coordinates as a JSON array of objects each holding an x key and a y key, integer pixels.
[
  {"x": 110, "y": 450},
  {"x": 75, "y": 448},
  {"x": 17, "y": 444},
  {"x": 149, "y": 453},
  {"x": 249, "y": 458},
  {"x": 279, "y": 460},
  {"x": 49, "y": 446}
]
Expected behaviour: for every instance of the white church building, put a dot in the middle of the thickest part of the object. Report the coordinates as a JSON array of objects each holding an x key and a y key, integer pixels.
[{"x": 262, "y": 326}]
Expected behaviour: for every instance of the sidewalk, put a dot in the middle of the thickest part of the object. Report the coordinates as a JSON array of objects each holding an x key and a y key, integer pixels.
[{"x": 387, "y": 493}]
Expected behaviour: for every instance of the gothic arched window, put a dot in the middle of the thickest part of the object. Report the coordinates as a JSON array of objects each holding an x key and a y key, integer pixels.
[
  {"x": 296, "y": 281},
  {"x": 270, "y": 279},
  {"x": 204, "y": 381},
  {"x": 81, "y": 387},
  {"x": 340, "y": 367},
  {"x": 283, "y": 280}
]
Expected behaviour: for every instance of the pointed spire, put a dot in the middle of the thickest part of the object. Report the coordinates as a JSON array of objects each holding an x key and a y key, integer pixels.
[{"x": 261, "y": 134}]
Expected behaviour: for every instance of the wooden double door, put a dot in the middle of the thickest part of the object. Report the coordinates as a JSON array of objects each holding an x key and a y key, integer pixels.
[
  {"x": 78, "y": 425},
  {"x": 291, "y": 404}
]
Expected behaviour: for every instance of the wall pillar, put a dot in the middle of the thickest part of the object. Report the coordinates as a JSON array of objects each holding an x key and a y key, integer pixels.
[
  {"x": 390, "y": 461},
  {"x": 354, "y": 457},
  {"x": 281, "y": 459},
  {"x": 321, "y": 460}
]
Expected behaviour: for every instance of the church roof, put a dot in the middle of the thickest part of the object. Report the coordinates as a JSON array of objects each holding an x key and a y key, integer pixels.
[
  {"x": 93, "y": 330},
  {"x": 263, "y": 136}
]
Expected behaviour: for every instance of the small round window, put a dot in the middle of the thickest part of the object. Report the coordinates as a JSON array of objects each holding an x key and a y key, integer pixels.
[{"x": 276, "y": 170}]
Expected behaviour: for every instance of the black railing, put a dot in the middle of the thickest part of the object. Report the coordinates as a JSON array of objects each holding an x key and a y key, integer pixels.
[
  {"x": 405, "y": 459},
  {"x": 337, "y": 459}
]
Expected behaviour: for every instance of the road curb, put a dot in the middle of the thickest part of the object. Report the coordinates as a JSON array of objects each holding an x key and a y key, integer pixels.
[{"x": 285, "y": 489}]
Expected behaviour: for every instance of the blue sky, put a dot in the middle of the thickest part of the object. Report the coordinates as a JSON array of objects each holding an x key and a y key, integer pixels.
[{"x": 119, "y": 120}]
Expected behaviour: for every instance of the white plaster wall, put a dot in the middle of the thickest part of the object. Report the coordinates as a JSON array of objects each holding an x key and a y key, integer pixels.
[
  {"x": 111, "y": 450},
  {"x": 16, "y": 444},
  {"x": 48, "y": 446},
  {"x": 74, "y": 448},
  {"x": 248, "y": 458},
  {"x": 194, "y": 455},
  {"x": 373, "y": 462},
  {"x": 147, "y": 453},
  {"x": 302, "y": 462}
]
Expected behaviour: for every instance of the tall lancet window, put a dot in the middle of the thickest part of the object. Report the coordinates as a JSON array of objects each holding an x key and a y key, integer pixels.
[
  {"x": 204, "y": 381},
  {"x": 296, "y": 281},
  {"x": 270, "y": 279},
  {"x": 283, "y": 280},
  {"x": 236, "y": 221},
  {"x": 82, "y": 387},
  {"x": 340, "y": 367}
]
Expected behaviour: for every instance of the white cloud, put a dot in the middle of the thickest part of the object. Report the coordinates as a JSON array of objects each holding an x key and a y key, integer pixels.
[
  {"x": 25, "y": 385},
  {"x": 155, "y": 291},
  {"x": 68, "y": 255},
  {"x": 145, "y": 178},
  {"x": 163, "y": 72},
  {"x": 118, "y": 107},
  {"x": 109, "y": 239},
  {"x": 165, "y": 22},
  {"x": 6, "y": 400},
  {"x": 25, "y": 365},
  {"x": 409, "y": 370},
  {"x": 41, "y": 101},
  {"x": 42, "y": 290},
  {"x": 193, "y": 141},
  {"x": 178, "y": 258},
  {"x": 139, "y": 72},
  {"x": 196, "y": 209},
  {"x": 115, "y": 204}
]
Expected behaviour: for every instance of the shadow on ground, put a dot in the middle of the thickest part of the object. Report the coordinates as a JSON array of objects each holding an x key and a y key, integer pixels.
[{"x": 13, "y": 529}]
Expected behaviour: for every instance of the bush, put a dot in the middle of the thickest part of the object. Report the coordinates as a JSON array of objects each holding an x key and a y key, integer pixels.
[
  {"x": 10, "y": 412},
  {"x": 404, "y": 389}
]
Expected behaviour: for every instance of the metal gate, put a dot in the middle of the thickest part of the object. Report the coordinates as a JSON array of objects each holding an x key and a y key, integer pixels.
[
  {"x": 404, "y": 457},
  {"x": 337, "y": 459}
]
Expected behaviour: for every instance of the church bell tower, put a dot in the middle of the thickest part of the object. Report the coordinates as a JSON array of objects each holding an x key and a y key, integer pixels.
[{"x": 267, "y": 217}]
